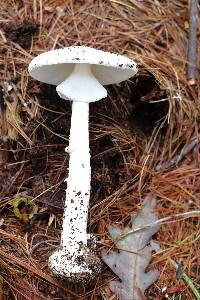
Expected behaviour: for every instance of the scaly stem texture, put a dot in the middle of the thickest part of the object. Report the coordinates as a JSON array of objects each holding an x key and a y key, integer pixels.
[{"x": 78, "y": 182}]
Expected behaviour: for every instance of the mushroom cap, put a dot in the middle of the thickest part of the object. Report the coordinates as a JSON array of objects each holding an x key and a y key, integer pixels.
[{"x": 54, "y": 66}]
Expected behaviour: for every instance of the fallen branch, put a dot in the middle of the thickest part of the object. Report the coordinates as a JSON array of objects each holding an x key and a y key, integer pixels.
[
  {"x": 178, "y": 158},
  {"x": 191, "y": 71},
  {"x": 169, "y": 219}
]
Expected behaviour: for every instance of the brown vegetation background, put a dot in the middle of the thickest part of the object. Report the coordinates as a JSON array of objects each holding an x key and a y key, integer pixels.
[{"x": 144, "y": 139}]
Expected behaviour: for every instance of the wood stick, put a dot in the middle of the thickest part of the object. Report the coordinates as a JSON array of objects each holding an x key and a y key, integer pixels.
[
  {"x": 178, "y": 158},
  {"x": 191, "y": 70}
]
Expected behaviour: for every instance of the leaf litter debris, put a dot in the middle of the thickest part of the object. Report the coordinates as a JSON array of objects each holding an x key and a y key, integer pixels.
[{"x": 139, "y": 139}]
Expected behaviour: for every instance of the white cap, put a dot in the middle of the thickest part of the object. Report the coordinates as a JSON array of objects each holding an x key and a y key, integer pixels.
[{"x": 55, "y": 66}]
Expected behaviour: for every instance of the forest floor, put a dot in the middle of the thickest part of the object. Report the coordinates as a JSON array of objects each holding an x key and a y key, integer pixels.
[{"x": 144, "y": 139}]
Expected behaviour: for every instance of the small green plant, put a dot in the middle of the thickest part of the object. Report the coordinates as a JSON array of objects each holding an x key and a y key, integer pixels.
[{"x": 27, "y": 213}]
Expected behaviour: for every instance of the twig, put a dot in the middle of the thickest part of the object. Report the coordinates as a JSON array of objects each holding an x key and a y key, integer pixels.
[
  {"x": 192, "y": 42},
  {"x": 178, "y": 158},
  {"x": 187, "y": 279},
  {"x": 169, "y": 219}
]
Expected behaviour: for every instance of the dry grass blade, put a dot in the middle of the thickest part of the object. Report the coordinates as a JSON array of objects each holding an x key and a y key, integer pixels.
[{"x": 17, "y": 261}]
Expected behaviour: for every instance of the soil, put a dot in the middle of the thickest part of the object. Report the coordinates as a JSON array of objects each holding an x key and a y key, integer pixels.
[{"x": 21, "y": 32}]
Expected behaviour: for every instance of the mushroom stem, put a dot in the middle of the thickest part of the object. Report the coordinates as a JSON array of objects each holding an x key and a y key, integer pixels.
[
  {"x": 74, "y": 259},
  {"x": 78, "y": 182}
]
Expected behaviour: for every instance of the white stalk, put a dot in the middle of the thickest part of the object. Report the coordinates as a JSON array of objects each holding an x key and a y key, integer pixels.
[
  {"x": 74, "y": 260},
  {"x": 78, "y": 182}
]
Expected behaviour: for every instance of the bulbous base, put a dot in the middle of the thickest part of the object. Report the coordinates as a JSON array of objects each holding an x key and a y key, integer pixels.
[{"x": 82, "y": 267}]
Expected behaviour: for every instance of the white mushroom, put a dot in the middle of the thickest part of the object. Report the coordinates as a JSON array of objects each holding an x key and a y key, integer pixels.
[{"x": 79, "y": 73}]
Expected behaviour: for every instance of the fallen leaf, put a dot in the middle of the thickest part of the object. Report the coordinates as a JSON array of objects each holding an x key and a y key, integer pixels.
[{"x": 135, "y": 253}]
